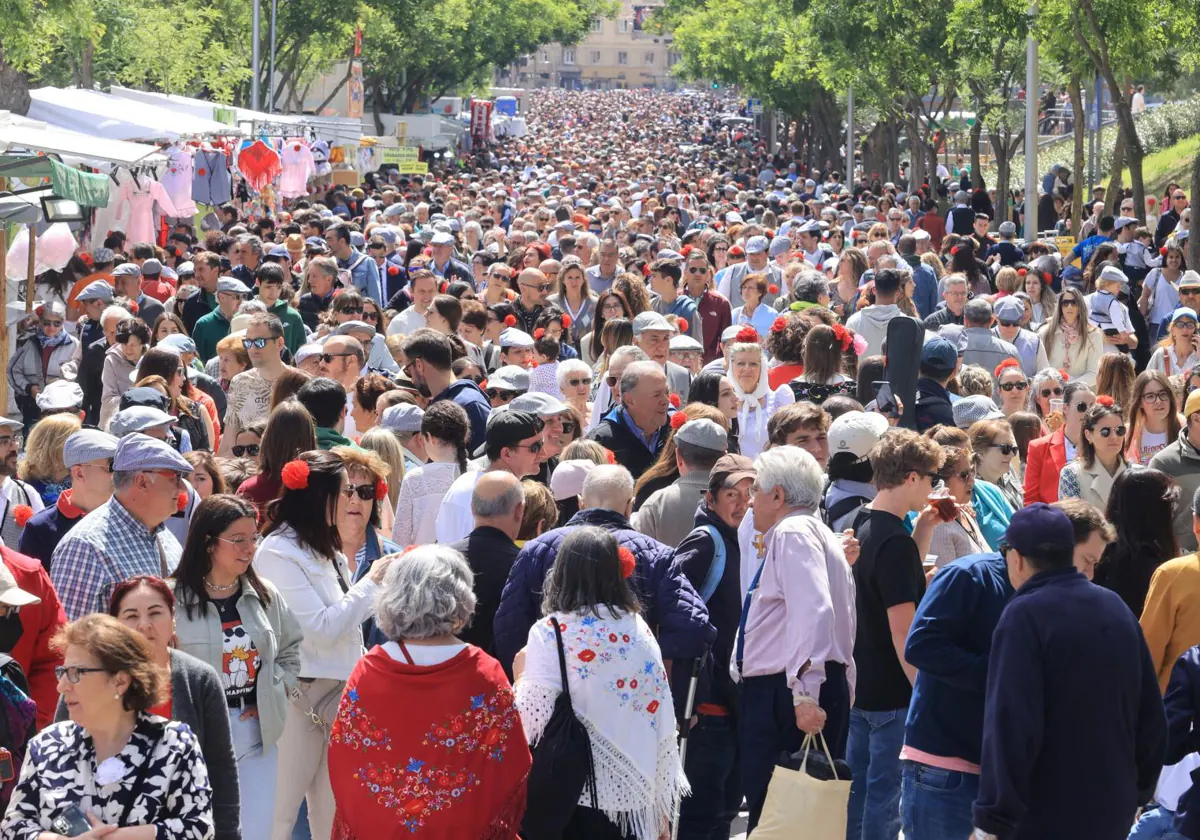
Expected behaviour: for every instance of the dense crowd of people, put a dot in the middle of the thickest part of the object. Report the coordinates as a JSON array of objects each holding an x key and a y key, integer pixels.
[{"x": 448, "y": 505}]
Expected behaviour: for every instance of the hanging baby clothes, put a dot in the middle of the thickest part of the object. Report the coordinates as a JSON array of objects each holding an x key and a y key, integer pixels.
[
  {"x": 298, "y": 167},
  {"x": 138, "y": 196},
  {"x": 211, "y": 184},
  {"x": 320, "y": 153},
  {"x": 178, "y": 179},
  {"x": 259, "y": 164}
]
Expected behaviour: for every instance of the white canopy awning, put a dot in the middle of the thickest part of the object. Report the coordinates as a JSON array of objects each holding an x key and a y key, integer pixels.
[
  {"x": 20, "y": 133},
  {"x": 199, "y": 107},
  {"x": 102, "y": 115}
]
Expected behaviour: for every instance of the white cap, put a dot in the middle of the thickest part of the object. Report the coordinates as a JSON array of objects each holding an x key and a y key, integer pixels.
[{"x": 856, "y": 432}]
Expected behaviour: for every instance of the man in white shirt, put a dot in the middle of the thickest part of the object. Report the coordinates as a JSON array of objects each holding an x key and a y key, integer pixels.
[
  {"x": 513, "y": 443},
  {"x": 423, "y": 286}
]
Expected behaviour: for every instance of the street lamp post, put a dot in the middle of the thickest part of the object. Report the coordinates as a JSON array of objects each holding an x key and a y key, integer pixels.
[{"x": 1031, "y": 135}]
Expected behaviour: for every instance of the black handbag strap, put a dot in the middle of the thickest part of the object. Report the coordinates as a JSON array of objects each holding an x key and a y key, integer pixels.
[
  {"x": 155, "y": 733},
  {"x": 562, "y": 665}
]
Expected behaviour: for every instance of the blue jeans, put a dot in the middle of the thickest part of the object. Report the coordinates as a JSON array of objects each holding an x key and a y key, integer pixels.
[
  {"x": 1156, "y": 823},
  {"x": 936, "y": 803},
  {"x": 715, "y": 776},
  {"x": 873, "y": 753},
  {"x": 301, "y": 831}
]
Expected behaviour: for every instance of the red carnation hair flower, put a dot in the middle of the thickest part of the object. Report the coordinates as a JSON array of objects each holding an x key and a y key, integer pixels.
[
  {"x": 628, "y": 562},
  {"x": 610, "y": 456},
  {"x": 1063, "y": 375},
  {"x": 510, "y": 320},
  {"x": 1163, "y": 250},
  {"x": 1046, "y": 276},
  {"x": 22, "y": 514},
  {"x": 1005, "y": 365},
  {"x": 674, "y": 400},
  {"x": 393, "y": 270},
  {"x": 1021, "y": 272},
  {"x": 779, "y": 324},
  {"x": 539, "y": 332},
  {"x": 1105, "y": 400},
  {"x": 295, "y": 475},
  {"x": 682, "y": 325},
  {"x": 844, "y": 336},
  {"x": 338, "y": 292},
  {"x": 677, "y": 420},
  {"x": 954, "y": 250},
  {"x": 772, "y": 289},
  {"x": 381, "y": 489},
  {"x": 132, "y": 307},
  {"x": 747, "y": 334},
  {"x": 566, "y": 320}
]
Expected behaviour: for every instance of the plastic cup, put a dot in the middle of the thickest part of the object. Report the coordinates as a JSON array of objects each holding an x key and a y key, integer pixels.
[
  {"x": 1057, "y": 405},
  {"x": 944, "y": 504}
]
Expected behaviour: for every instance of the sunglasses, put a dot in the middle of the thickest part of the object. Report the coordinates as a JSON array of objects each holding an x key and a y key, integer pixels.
[
  {"x": 961, "y": 476},
  {"x": 1082, "y": 407},
  {"x": 370, "y": 316},
  {"x": 366, "y": 492},
  {"x": 1068, "y": 302},
  {"x": 328, "y": 358},
  {"x": 611, "y": 381},
  {"x": 695, "y": 270},
  {"x": 1009, "y": 449},
  {"x": 52, "y": 323},
  {"x": 258, "y": 343},
  {"x": 250, "y": 449},
  {"x": 534, "y": 448},
  {"x": 353, "y": 310},
  {"x": 1010, "y": 323},
  {"x": 575, "y": 383},
  {"x": 541, "y": 287},
  {"x": 1109, "y": 431},
  {"x": 1048, "y": 392},
  {"x": 1009, "y": 386},
  {"x": 497, "y": 394}
]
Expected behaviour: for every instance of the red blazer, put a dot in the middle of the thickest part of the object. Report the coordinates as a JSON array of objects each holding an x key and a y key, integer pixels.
[
  {"x": 1046, "y": 458},
  {"x": 39, "y": 623}
]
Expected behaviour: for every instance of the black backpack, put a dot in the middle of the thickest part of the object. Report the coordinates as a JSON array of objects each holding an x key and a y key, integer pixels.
[{"x": 562, "y": 765}]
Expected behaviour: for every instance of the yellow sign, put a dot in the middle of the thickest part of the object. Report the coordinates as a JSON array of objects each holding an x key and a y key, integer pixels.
[
  {"x": 399, "y": 154},
  {"x": 1065, "y": 244},
  {"x": 413, "y": 167}
]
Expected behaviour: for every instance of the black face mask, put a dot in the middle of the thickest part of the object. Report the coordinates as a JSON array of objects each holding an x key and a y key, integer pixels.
[{"x": 10, "y": 632}]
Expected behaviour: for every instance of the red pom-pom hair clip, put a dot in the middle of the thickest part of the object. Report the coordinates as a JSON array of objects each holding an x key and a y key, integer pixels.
[
  {"x": 1005, "y": 365},
  {"x": 747, "y": 334},
  {"x": 680, "y": 323},
  {"x": 779, "y": 324},
  {"x": 381, "y": 489},
  {"x": 673, "y": 400},
  {"x": 1064, "y": 376},
  {"x": 539, "y": 332},
  {"x": 393, "y": 270},
  {"x": 772, "y": 289},
  {"x": 566, "y": 321},
  {"x": 22, "y": 514},
  {"x": 295, "y": 475},
  {"x": 1021, "y": 272},
  {"x": 628, "y": 562},
  {"x": 1163, "y": 250},
  {"x": 677, "y": 420},
  {"x": 510, "y": 320},
  {"x": 1105, "y": 400},
  {"x": 954, "y": 250}
]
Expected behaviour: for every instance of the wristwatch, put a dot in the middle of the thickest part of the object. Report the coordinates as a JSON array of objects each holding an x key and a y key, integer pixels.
[{"x": 980, "y": 834}]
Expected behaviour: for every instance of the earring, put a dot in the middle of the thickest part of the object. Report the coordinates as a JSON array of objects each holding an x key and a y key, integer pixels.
[{"x": 116, "y": 696}]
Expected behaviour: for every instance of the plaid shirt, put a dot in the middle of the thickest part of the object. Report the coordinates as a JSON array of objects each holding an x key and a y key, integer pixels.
[{"x": 108, "y": 546}]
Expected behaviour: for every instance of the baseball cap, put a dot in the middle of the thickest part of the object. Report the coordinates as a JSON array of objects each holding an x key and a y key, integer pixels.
[
  {"x": 11, "y": 594},
  {"x": 88, "y": 445},
  {"x": 136, "y": 453},
  {"x": 402, "y": 417},
  {"x": 279, "y": 252},
  {"x": 232, "y": 285},
  {"x": 1037, "y": 527},
  {"x": 856, "y": 432},
  {"x": 509, "y": 378},
  {"x": 96, "y": 290},
  {"x": 974, "y": 408},
  {"x": 651, "y": 321},
  {"x": 1009, "y": 309},
  {"x": 508, "y": 428},
  {"x": 1192, "y": 405},
  {"x": 703, "y": 433},
  {"x": 567, "y": 479},
  {"x": 939, "y": 354},
  {"x": 1123, "y": 221},
  {"x": 60, "y": 395},
  {"x": 729, "y": 470},
  {"x": 757, "y": 244},
  {"x": 316, "y": 243},
  {"x": 1189, "y": 278},
  {"x": 1183, "y": 312}
]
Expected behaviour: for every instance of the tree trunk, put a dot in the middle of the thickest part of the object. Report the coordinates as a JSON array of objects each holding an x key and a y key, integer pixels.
[
  {"x": 14, "y": 88},
  {"x": 1118, "y": 163},
  {"x": 1194, "y": 241},
  {"x": 976, "y": 164},
  {"x": 1003, "y": 163},
  {"x": 1134, "y": 154},
  {"x": 874, "y": 151},
  {"x": 916, "y": 146},
  {"x": 1073, "y": 90}
]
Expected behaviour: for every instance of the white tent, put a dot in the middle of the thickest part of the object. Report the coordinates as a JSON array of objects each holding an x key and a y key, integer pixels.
[
  {"x": 20, "y": 133},
  {"x": 199, "y": 107},
  {"x": 102, "y": 115}
]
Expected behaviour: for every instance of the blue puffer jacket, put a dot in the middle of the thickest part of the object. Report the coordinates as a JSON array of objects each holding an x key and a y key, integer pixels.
[{"x": 672, "y": 608}]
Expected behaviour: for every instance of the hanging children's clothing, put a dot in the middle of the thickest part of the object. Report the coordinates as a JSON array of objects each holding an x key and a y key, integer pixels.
[
  {"x": 259, "y": 164},
  {"x": 137, "y": 198},
  {"x": 298, "y": 166},
  {"x": 177, "y": 180},
  {"x": 211, "y": 183},
  {"x": 320, "y": 153}
]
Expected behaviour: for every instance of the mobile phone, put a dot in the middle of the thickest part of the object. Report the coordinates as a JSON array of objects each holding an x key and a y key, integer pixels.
[
  {"x": 885, "y": 402},
  {"x": 72, "y": 822},
  {"x": 7, "y": 773},
  {"x": 1111, "y": 331}
]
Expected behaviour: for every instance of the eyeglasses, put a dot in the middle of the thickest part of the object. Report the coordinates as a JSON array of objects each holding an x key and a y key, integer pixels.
[
  {"x": 366, "y": 492},
  {"x": 7, "y": 440},
  {"x": 1008, "y": 449},
  {"x": 1009, "y": 386},
  {"x": 74, "y": 672},
  {"x": 613, "y": 307},
  {"x": 575, "y": 383},
  {"x": 961, "y": 476},
  {"x": 52, "y": 323},
  {"x": 1186, "y": 324},
  {"x": 250, "y": 449},
  {"x": 1048, "y": 392},
  {"x": 328, "y": 358},
  {"x": 171, "y": 474},
  {"x": 534, "y": 448},
  {"x": 1157, "y": 396},
  {"x": 240, "y": 543},
  {"x": 1109, "y": 431},
  {"x": 257, "y": 343}
]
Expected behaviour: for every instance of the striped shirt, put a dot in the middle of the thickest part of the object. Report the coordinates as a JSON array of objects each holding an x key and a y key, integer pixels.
[{"x": 108, "y": 546}]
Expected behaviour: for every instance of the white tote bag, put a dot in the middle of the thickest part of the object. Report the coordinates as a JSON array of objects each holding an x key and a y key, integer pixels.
[{"x": 799, "y": 806}]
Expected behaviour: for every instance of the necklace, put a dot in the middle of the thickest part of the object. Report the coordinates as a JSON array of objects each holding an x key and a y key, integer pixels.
[{"x": 216, "y": 588}]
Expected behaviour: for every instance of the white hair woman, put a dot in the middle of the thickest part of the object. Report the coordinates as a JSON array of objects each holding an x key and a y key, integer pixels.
[
  {"x": 575, "y": 382},
  {"x": 427, "y": 711},
  {"x": 748, "y": 370}
]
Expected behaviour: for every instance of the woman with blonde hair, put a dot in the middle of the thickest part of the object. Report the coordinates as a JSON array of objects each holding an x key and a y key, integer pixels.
[
  {"x": 383, "y": 442},
  {"x": 843, "y": 292},
  {"x": 1008, "y": 281},
  {"x": 43, "y": 466},
  {"x": 1115, "y": 377}
]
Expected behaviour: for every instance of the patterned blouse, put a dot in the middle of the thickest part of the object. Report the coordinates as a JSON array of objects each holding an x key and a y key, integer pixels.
[{"x": 60, "y": 770}]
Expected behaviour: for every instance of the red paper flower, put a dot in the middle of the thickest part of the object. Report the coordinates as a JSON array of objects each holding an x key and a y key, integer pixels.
[
  {"x": 1064, "y": 376},
  {"x": 747, "y": 334},
  {"x": 772, "y": 289},
  {"x": 393, "y": 270},
  {"x": 779, "y": 324},
  {"x": 843, "y": 336},
  {"x": 22, "y": 514},
  {"x": 566, "y": 321},
  {"x": 381, "y": 489},
  {"x": 132, "y": 307},
  {"x": 677, "y": 420},
  {"x": 674, "y": 400},
  {"x": 954, "y": 250},
  {"x": 610, "y": 456},
  {"x": 539, "y": 332},
  {"x": 1163, "y": 250},
  {"x": 442, "y": 288},
  {"x": 682, "y": 325},
  {"x": 1105, "y": 400},
  {"x": 181, "y": 500},
  {"x": 1046, "y": 276},
  {"x": 628, "y": 563},
  {"x": 510, "y": 320},
  {"x": 1021, "y": 272},
  {"x": 295, "y": 475},
  {"x": 1005, "y": 365}
]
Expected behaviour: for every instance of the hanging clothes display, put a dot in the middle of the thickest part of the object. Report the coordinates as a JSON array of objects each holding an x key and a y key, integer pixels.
[
  {"x": 177, "y": 180},
  {"x": 211, "y": 183},
  {"x": 298, "y": 166},
  {"x": 137, "y": 197},
  {"x": 259, "y": 164},
  {"x": 320, "y": 153}
]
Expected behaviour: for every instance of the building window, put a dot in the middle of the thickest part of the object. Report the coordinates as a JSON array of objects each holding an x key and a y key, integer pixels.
[
  {"x": 622, "y": 57},
  {"x": 623, "y": 25},
  {"x": 672, "y": 58},
  {"x": 568, "y": 56},
  {"x": 595, "y": 56},
  {"x": 545, "y": 57},
  {"x": 649, "y": 59},
  {"x": 597, "y": 25}
]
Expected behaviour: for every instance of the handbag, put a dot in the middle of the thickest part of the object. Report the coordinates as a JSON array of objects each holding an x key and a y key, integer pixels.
[
  {"x": 321, "y": 699},
  {"x": 562, "y": 765},
  {"x": 796, "y": 798}
]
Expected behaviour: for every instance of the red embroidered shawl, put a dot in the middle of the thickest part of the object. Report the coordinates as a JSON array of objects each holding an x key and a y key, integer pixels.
[{"x": 432, "y": 751}]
